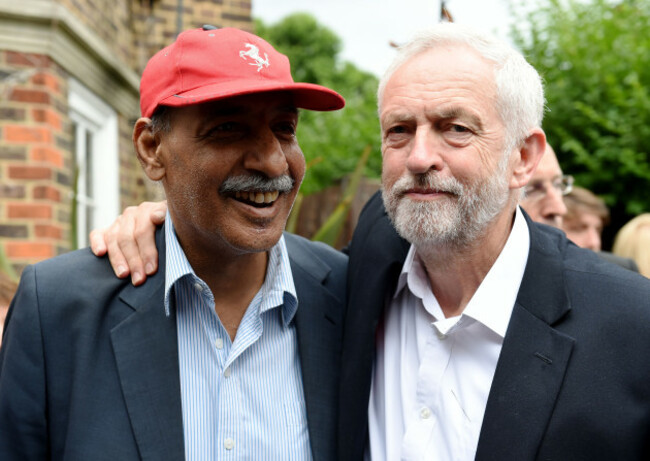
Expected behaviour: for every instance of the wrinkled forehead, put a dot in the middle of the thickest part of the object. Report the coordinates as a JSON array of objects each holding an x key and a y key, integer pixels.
[
  {"x": 454, "y": 61},
  {"x": 443, "y": 73}
]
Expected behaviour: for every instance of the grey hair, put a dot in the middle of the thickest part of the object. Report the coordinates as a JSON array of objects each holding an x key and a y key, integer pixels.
[
  {"x": 520, "y": 93},
  {"x": 161, "y": 120}
]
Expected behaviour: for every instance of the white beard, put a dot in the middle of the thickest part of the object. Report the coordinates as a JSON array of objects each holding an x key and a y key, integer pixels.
[{"x": 454, "y": 220}]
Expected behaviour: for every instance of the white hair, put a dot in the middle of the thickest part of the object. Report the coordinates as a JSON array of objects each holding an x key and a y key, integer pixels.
[{"x": 520, "y": 93}]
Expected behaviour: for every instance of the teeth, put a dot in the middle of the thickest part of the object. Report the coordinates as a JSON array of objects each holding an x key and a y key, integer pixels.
[{"x": 258, "y": 197}]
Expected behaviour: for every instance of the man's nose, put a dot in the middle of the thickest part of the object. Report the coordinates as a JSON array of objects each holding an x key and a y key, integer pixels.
[
  {"x": 424, "y": 154},
  {"x": 593, "y": 239},
  {"x": 554, "y": 202},
  {"x": 266, "y": 155}
]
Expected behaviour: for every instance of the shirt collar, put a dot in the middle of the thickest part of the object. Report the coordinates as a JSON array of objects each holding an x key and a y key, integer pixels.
[
  {"x": 278, "y": 288},
  {"x": 495, "y": 297}
]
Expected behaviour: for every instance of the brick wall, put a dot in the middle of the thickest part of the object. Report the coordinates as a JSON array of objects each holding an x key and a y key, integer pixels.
[
  {"x": 36, "y": 139},
  {"x": 34, "y": 158}
]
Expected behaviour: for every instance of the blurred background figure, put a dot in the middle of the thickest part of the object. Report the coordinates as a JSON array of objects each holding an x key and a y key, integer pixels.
[
  {"x": 544, "y": 193},
  {"x": 633, "y": 241},
  {"x": 7, "y": 289},
  {"x": 585, "y": 218},
  {"x": 545, "y": 201}
]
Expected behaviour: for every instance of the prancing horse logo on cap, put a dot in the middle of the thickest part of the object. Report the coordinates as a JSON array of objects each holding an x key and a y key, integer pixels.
[{"x": 253, "y": 53}]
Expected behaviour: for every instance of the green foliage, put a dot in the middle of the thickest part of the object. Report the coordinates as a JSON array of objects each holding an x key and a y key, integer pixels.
[
  {"x": 595, "y": 59},
  {"x": 331, "y": 231},
  {"x": 337, "y": 138},
  {"x": 5, "y": 265}
]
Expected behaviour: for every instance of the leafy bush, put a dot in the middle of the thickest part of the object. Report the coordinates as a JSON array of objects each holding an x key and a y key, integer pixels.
[{"x": 595, "y": 58}]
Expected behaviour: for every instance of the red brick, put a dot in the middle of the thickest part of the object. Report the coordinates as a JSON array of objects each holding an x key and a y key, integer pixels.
[
  {"x": 48, "y": 231},
  {"x": 48, "y": 80},
  {"x": 30, "y": 172},
  {"x": 52, "y": 118},
  {"x": 47, "y": 154},
  {"x": 32, "y": 96},
  {"x": 47, "y": 193},
  {"x": 29, "y": 250},
  {"x": 29, "y": 211},
  {"x": 27, "y": 134}
]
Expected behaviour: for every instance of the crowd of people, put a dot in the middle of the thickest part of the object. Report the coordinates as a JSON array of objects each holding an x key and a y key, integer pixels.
[{"x": 457, "y": 325}]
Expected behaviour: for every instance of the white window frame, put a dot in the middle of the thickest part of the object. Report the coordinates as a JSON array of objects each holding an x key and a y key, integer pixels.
[{"x": 92, "y": 115}]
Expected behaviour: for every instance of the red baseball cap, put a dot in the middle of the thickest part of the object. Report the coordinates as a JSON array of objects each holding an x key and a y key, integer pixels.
[{"x": 208, "y": 64}]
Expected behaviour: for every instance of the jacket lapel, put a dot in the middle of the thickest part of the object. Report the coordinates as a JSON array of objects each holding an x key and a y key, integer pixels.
[
  {"x": 533, "y": 360},
  {"x": 319, "y": 342},
  {"x": 146, "y": 352},
  {"x": 372, "y": 277}
]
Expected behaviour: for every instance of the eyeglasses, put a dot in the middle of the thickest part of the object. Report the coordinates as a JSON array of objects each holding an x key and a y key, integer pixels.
[{"x": 539, "y": 189}]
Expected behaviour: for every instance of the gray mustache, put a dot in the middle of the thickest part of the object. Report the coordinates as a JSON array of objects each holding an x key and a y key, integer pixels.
[
  {"x": 257, "y": 183},
  {"x": 429, "y": 181}
]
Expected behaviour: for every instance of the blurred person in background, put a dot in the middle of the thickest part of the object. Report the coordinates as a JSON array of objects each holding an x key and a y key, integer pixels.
[
  {"x": 633, "y": 241},
  {"x": 544, "y": 201},
  {"x": 585, "y": 219},
  {"x": 544, "y": 193}
]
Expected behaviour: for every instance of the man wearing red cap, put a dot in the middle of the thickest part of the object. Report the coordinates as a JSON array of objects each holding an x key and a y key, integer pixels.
[
  {"x": 232, "y": 350},
  {"x": 473, "y": 332}
]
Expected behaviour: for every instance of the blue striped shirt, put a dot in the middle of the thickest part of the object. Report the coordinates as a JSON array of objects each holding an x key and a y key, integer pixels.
[{"x": 241, "y": 400}]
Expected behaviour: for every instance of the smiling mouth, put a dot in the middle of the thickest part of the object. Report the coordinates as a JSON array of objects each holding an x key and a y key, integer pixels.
[{"x": 257, "y": 199}]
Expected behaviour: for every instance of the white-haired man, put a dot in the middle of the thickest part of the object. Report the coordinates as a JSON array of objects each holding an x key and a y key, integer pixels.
[{"x": 471, "y": 331}]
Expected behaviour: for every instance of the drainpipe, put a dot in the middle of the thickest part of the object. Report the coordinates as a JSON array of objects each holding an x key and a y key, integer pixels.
[{"x": 179, "y": 18}]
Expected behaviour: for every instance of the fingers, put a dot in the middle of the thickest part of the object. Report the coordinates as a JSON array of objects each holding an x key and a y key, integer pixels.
[
  {"x": 130, "y": 241},
  {"x": 97, "y": 242},
  {"x": 158, "y": 211},
  {"x": 149, "y": 216},
  {"x": 122, "y": 247}
]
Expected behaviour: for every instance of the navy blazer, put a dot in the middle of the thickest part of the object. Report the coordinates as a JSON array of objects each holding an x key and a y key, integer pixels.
[
  {"x": 573, "y": 378},
  {"x": 89, "y": 363}
]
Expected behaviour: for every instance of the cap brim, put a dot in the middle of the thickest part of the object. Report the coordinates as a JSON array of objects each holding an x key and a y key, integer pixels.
[{"x": 306, "y": 95}]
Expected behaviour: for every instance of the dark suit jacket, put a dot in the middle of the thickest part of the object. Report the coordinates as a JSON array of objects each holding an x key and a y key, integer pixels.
[
  {"x": 573, "y": 378},
  {"x": 89, "y": 363},
  {"x": 627, "y": 263}
]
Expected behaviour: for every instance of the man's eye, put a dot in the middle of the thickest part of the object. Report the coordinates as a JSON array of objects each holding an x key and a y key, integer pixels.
[
  {"x": 399, "y": 129},
  {"x": 459, "y": 128},
  {"x": 534, "y": 188},
  {"x": 223, "y": 130},
  {"x": 224, "y": 127},
  {"x": 286, "y": 128}
]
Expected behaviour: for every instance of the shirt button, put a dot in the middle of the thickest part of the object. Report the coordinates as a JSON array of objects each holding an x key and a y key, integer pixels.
[
  {"x": 229, "y": 444},
  {"x": 441, "y": 335},
  {"x": 198, "y": 287},
  {"x": 226, "y": 372},
  {"x": 219, "y": 343},
  {"x": 425, "y": 413}
]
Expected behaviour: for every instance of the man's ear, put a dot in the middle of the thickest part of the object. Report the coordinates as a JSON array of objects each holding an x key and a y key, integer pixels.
[
  {"x": 147, "y": 146},
  {"x": 527, "y": 157}
]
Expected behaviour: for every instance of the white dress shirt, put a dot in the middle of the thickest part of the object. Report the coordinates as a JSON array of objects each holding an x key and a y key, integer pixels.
[{"x": 432, "y": 375}]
